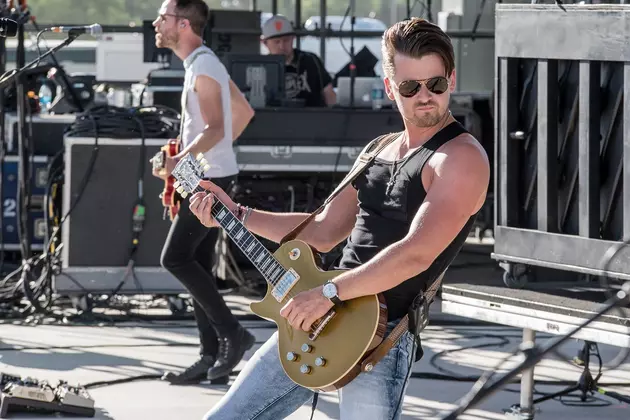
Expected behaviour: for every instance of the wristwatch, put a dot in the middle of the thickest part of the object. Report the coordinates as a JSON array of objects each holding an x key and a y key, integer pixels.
[{"x": 330, "y": 291}]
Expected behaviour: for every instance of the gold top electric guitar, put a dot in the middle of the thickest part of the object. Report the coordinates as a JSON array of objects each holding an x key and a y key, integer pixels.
[{"x": 327, "y": 357}]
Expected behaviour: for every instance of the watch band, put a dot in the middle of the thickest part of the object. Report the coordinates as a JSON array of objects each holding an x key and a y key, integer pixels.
[{"x": 335, "y": 299}]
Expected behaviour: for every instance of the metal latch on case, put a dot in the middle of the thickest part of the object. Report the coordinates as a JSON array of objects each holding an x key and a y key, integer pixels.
[{"x": 281, "y": 152}]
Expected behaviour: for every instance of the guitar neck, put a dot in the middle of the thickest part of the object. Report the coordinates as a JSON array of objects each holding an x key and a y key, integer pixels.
[{"x": 263, "y": 260}]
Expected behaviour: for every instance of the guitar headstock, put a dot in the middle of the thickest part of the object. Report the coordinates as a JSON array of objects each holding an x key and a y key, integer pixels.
[{"x": 188, "y": 173}]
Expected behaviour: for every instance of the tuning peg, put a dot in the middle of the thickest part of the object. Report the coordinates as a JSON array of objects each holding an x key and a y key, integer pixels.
[
  {"x": 184, "y": 194},
  {"x": 199, "y": 156},
  {"x": 176, "y": 184},
  {"x": 180, "y": 190},
  {"x": 206, "y": 168},
  {"x": 203, "y": 161}
]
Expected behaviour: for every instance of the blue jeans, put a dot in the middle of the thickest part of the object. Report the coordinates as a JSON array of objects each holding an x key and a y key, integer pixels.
[{"x": 262, "y": 390}]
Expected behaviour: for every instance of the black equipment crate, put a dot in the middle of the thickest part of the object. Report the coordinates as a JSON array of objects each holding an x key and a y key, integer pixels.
[{"x": 562, "y": 157}]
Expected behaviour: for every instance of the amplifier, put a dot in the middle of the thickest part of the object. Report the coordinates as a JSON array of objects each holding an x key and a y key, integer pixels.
[
  {"x": 46, "y": 131},
  {"x": 10, "y": 204},
  {"x": 98, "y": 232}
]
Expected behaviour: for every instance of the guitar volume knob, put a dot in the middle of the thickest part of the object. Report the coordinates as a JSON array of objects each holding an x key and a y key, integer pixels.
[
  {"x": 292, "y": 357},
  {"x": 320, "y": 362},
  {"x": 306, "y": 348},
  {"x": 305, "y": 369}
]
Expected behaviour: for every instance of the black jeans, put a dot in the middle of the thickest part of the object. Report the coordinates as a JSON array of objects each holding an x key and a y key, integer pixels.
[{"x": 187, "y": 254}]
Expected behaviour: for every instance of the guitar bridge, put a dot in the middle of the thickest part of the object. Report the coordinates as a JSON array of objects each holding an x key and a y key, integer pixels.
[{"x": 317, "y": 329}]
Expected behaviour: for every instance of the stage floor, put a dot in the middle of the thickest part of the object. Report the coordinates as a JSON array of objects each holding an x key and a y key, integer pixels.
[{"x": 84, "y": 354}]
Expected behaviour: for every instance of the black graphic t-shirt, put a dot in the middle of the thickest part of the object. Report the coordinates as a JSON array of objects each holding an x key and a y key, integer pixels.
[{"x": 305, "y": 78}]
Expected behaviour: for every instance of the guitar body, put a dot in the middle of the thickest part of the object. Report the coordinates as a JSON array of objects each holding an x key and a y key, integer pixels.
[
  {"x": 170, "y": 196},
  {"x": 357, "y": 327}
]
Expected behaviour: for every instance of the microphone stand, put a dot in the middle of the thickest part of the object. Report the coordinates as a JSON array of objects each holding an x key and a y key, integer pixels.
[
  {"x": 533, "y": 355},
  {"x": 64, "y": 77},
  {"x": 353, "y": 67},
  {"x": 16, "y": 73},
  {"x": 3, "y": 61}
]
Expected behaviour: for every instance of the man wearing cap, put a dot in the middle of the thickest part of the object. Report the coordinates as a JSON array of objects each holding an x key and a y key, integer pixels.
[{"x": 305, "y": 75}]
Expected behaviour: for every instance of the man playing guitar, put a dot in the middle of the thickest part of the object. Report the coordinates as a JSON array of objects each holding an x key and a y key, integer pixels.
[
  {"x": 214, "y": 114},
  {"x": 406, "y": 217}
]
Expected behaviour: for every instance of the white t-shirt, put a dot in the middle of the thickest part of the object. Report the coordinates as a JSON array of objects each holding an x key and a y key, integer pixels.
[{"x": 221, "y": 157}]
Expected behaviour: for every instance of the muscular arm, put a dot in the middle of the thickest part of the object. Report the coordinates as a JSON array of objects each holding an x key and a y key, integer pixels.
[
  {"x": 457, "y": 191},
  {"x": 328, "y": 228},
  {"x": 209, "y": 94},
  {"x": 242, "y": 112}
]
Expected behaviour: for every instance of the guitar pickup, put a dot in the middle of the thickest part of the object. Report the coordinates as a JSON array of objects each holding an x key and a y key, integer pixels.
[{"x": 285, "y": 284}]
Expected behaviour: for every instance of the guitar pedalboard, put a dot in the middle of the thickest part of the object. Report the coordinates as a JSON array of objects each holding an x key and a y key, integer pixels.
[{"x": 30, "y": 395}]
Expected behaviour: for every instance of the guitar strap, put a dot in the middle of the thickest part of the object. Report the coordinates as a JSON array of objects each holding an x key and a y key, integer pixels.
[{"x": 417, "y": 317}]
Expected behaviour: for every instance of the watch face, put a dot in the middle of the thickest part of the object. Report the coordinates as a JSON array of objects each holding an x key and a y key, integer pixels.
[{"x": 329, "y": 290}]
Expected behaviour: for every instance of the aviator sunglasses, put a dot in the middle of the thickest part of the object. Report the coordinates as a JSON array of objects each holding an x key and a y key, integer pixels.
[{"x": 410, "y": 88}]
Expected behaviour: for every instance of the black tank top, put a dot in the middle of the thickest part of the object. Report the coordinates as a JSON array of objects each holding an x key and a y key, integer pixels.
[{"x": 388, "y": 203}]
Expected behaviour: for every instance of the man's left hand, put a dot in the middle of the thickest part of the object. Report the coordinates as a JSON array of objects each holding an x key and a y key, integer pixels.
[
  {"x": 167, "y": 170},
  {"x": 306, "y": 308}
]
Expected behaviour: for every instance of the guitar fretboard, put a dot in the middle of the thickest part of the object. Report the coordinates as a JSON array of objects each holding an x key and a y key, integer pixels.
[{"x": 263, "y": 260}]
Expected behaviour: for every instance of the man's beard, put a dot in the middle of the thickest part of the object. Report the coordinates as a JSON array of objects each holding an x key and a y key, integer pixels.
[
  {"x": 427, "y": 119},
  {"x": 165, "y": 41}
]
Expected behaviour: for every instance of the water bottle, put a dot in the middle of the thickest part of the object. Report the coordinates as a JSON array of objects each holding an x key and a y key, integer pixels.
[
  {"x": 378, "y": 94},
  {"x": 45, "y": 98}
]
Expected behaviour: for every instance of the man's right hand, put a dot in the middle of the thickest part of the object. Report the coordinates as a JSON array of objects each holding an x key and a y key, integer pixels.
[{"x": 201, "y": 203}]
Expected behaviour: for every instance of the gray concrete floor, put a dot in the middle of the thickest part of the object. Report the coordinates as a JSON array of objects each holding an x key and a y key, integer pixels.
[{"x": 83, "y": 354}]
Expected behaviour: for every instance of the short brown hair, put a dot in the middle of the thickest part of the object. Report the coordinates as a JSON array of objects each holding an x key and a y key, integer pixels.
[
  {"x": 196, "y": 11},
  {"x": 416, "y": 38}
]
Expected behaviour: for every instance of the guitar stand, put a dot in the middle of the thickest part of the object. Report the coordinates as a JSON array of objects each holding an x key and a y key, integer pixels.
[{"x": 586, "y": 384}]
